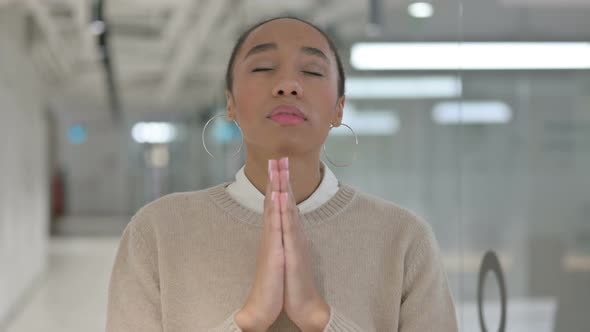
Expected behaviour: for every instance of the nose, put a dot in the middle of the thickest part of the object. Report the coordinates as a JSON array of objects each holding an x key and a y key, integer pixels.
[{"x": 288, "y": 87}]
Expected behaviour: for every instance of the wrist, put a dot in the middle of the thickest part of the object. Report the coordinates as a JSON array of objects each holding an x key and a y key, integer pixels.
[
  {"x": 247, "y": 322},
  {"x": 322, "y": 317},
  {"x": 318, "y": 318}
]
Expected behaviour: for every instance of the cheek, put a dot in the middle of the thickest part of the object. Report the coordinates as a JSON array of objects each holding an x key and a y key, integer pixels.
[
  {"x": 245, "y": 94},
  {"x": 247, "y": 105},
  {"x": 325, "y": 97}
]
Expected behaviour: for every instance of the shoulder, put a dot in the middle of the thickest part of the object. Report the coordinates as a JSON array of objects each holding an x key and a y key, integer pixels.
[
  {"x": 171, "y": 203},
  {"x": 408, "y": 233},
  {"x": 393, "y": 211},
  {"x": 391, "y": 215},
  {"x": 171, "y": 210}
]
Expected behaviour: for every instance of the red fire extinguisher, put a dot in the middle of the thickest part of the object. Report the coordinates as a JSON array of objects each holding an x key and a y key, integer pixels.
[{"x": 57, "y": 195}]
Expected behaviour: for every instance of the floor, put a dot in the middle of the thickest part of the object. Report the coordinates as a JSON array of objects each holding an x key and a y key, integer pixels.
[{"x": 72, "y": 295}]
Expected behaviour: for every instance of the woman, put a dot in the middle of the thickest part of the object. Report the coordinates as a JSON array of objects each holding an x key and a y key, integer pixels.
[{"x": 285, "y": 247}]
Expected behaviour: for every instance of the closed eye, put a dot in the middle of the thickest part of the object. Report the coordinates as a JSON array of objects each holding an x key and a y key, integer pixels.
[
  {"x": 313, "y": 73},
  {"x": 261, "y": 69}
]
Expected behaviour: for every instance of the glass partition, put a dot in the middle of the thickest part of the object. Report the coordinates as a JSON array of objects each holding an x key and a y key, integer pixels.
[{"x": 475, "y": 119}]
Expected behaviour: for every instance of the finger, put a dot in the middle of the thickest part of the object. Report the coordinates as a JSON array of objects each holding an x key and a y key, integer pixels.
[
  {"x": 286, "y": 183},
  {"x": 276, "y": 218},
  {"x": 271, "y": 183},
  {"x": 268, "y": 191},
  {"x": 289, "y": 224},
  {"x": 272, "y": 216},
  {"x": 285, "y": 163},
  {"x": 271, "y": 186},
  {"x": 274, "y": 172},
  {"x": 290, "y": 206},
  {"x": 276, "y": 225},
  {"x": 268, "y": 181},
  {"x": 284, "y": 175}
]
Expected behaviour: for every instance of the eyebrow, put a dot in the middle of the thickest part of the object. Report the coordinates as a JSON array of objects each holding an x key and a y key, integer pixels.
[
  {"x": 261, "y": 48},
  {"x": 273, "y": 46},
  {"x": 315, "y": 52}
]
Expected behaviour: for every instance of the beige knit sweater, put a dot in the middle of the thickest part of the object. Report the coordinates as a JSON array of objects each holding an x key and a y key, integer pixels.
[{"x": 186, "y": 263}]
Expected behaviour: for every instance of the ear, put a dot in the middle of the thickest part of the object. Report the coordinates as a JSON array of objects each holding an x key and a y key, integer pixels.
[
  {"x": 229, "y": 106},
  {"x": 337, "y": 120}
]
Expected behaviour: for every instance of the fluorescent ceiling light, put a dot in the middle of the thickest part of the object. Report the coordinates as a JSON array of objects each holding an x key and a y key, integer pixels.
[
  {"x": 403, "y": 87},
  {"x": 370, "y": 123},
  {"x": 153, "y": 132},
  {"x": 480, "y": 112},
  {"x": 470, "y": 56},
  {"x": 421, "y": 9}
]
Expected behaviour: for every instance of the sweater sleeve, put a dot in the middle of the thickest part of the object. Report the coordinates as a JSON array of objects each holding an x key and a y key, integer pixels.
[
  {"x": 134, "y": 288},
  {"x": 134, "y": 292},
  {"x": 427, "y": 303},
  {"x": 338, "y": 322}
]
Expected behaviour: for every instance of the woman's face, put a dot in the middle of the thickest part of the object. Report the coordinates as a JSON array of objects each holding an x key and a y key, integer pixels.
[{"x": 285, "y": 62}]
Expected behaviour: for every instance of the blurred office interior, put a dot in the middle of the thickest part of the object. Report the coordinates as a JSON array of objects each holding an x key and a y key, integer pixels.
[{"x": 475, "y": 114}]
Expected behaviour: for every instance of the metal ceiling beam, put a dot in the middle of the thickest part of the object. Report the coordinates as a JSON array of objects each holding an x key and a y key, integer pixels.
[
  {"x": 83, "y": 15},
  {"x": 193, "y": 44},
  {"x": 212, "y": 68},
  {"x": 106, "y": 55},
  {"x": 146, "y": 4},
  {"x": 54, "y": 39},
  {"x": 333, "y": 13},
  {"x": 6, "y": 2},
  {"x": 178, "y": 22}
]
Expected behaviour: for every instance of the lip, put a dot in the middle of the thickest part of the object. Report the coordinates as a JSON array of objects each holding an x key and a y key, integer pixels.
[{"x": 288, "y": 110}]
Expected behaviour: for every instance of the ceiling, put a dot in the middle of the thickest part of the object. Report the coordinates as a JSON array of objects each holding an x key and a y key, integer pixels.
[{"x": 171, "y": 54}]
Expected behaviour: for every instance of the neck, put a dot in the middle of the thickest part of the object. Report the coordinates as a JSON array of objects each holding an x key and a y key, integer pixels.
[{"x": 304, "y": 172}]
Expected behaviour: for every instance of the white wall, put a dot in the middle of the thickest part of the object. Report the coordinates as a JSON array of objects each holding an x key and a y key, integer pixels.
[{"x": 24, "y": 199}]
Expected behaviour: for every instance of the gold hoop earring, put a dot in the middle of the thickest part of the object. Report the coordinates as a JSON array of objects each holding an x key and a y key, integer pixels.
[
  {"x": 205, "y": 128},
  {"x": 356, "y": 142}
]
